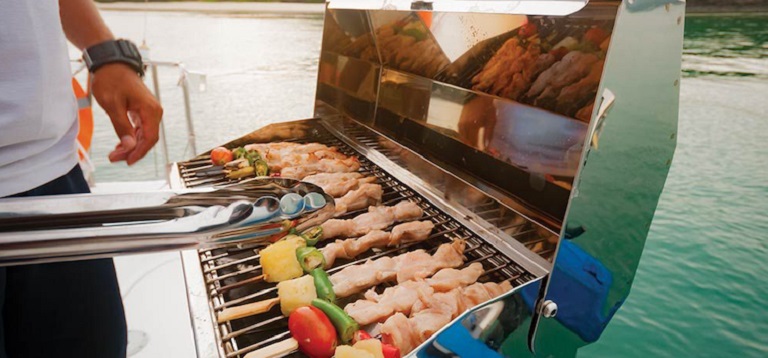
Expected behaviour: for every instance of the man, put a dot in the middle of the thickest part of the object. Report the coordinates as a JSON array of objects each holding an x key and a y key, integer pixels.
[{"x": 70, "y": 309}]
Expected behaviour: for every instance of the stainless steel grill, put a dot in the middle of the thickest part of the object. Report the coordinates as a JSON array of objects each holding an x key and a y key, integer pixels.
[{"x": 232, "y": 273}]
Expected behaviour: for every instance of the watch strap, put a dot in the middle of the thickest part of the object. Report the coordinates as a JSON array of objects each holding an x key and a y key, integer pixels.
[{"x": 122, "y": 51}]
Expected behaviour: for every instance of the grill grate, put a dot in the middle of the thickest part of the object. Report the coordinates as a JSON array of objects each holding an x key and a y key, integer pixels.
[{"x": 231, "y": 272}]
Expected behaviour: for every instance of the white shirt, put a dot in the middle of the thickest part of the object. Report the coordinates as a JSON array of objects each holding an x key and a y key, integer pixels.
[{"x": 38, "y": 113}]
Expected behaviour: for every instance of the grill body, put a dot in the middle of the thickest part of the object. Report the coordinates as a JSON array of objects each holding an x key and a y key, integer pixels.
[{"x": 553, "y": 192}]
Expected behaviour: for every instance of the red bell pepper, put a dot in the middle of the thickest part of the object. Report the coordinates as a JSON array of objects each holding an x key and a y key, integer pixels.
[
  {"x": 360, "y": 335},
  {"x": 390, "y": 351}
]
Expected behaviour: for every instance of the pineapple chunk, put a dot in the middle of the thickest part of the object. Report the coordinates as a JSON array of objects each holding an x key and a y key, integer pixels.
[
  {"x": 278, "y": 261},
  {"x": 372, "y": 346},
  {"x": 349, "y": 352},
  {"x": 296, "y": 293}
]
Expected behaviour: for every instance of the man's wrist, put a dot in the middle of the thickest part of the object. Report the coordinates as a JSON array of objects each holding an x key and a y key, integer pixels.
[{"x": 113, "y": 51}]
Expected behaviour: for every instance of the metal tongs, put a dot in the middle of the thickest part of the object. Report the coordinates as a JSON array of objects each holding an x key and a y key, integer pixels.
[{"x": 80, "y": 226}]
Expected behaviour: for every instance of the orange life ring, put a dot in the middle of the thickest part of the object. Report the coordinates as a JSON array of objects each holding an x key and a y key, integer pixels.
[{"x": 85, "y": 116}]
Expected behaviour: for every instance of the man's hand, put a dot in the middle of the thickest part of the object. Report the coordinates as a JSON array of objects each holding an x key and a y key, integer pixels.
[{"x": 134, "y": 111}]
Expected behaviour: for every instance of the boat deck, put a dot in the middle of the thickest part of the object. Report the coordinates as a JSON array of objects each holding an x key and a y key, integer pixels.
[{"x": 154, "y": 294}]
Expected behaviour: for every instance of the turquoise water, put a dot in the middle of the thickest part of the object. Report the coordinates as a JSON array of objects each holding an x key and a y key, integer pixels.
[{"x": 701, "y": 289}]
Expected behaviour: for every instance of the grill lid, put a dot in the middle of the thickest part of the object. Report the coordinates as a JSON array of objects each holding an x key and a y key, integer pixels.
[{"x": 516, "y": 103}]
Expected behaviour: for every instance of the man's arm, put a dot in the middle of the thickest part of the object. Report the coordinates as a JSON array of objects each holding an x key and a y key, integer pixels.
[{"x": 117, "y": 87}]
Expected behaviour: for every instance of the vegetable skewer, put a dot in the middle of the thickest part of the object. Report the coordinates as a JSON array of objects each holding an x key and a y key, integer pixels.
[
  {"x": 264, "y": 306},
  {"x": 374, "y": 272}
]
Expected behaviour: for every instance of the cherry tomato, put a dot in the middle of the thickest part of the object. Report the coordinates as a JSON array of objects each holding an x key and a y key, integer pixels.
[
  {"x": 221, "y": 156},
  {"x": 528, "y": 30},
  {"x": 314, "y": 332},
  {"x": 596, "y": 36},
  {"x": 360, "y": 335}
]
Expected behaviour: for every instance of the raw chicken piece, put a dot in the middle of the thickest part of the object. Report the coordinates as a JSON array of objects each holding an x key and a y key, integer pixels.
[
  {"x": 447, "y": 255},
  {"x": 449, "y": 278},
  {"x": 348, "y": 165},
  {"x": 399, "y": 298},
  {"x": 407, "y": 211},
  {"x": 338, "y": 184},
  {"x": 410, "y": 232},
  {"x": 429, "y": 321},
  {"x": 284, "y": 154},
  {"x": 366, "y": 195},
  {"x": 356, "y": 278},
  {"x": 397, "y": 331},
  {"x": 432, "y": 313},
  {"x": 412, "y": 294},
  {"x": 349, "y": 248},
  {"x": 377, "y": 218}
]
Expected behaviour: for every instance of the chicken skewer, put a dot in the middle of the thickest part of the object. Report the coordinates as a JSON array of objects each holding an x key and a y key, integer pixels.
[
  {"x": 401, "y": 298},
  {"x": 377, "y": 218},
  {"x": 285, "y": 154},
  {"x": 362, "y": 197},
  {"x": 338, "y": 184},
  {"x": 426, "y": 304},
  {"x": 354, "y": 278},
  {"x": 409, "y": 232},
  {"x": 433, "y": 312},
  {"x": 408, "y": 266}
]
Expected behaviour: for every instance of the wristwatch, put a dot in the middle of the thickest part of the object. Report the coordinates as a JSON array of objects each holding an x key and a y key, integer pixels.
[{"x": 122, "y": 51}]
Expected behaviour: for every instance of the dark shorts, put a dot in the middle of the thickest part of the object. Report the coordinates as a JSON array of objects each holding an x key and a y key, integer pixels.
[{"x": 68, "y": 309}]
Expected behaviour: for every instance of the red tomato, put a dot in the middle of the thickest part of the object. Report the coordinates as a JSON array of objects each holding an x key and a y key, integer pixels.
[
  {"x": 528, "y": 30},
  {"x": 314, "y": 332},
  {"x": 221, "y": 156},
  {"x": 360, "y": 335},
  {"x": 596, "y": 36}
]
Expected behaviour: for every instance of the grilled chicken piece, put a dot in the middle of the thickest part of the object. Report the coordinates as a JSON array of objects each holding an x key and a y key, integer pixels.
[
  {"x": 362, "y": 197},
  {"x": 356, "y": 278},
  {"x": 447, "y": 255},
  {"x": 377, "y": 218},
  {"x": 401, "y": 298},
  {"x": 347, "y": 165},
  {"x": 574, "y": 66},
  {"x": 338, "y": 184},
  {"x": 403, "y": 233},
  {"x": 485, "y": 79},
  {"x": 574, "y": 96},
  {"x": 431, "y": 313},
  {"x": 585, "y": 113}
]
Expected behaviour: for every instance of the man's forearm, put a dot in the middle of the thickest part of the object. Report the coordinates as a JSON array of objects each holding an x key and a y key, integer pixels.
[{"x": 82, "y": 23}]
